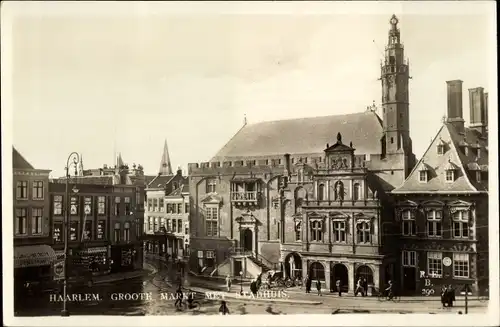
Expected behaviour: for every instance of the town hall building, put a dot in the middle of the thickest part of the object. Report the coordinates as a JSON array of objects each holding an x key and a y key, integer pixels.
[{"x": 308, "y": 196}]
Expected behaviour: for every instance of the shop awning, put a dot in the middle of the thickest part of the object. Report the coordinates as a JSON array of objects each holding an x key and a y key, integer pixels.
[{"x": 33, "y": 256}]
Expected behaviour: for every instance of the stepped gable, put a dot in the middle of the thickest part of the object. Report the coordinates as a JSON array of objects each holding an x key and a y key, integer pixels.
[
  {"x": 304, "y": 136},
  {"x": 18, "y": 161},
  {"x": 455, "y": 155}
]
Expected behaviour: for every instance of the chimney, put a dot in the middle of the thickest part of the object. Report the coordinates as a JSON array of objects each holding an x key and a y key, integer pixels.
[
  {"x": 179, "y": 171},
  {"x": 455, "y": 114},
  {"x": 477, "y": 112},
  {"x": 287, "y": 164}
]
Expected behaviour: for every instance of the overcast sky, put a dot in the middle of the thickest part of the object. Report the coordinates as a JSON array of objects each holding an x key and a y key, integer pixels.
[{"x": 127, "y": 81}]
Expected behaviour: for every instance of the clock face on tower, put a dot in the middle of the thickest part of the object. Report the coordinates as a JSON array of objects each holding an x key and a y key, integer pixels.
[{"x": 394, "y": 20}]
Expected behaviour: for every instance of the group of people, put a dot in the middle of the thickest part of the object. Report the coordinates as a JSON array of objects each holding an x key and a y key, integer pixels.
[
  {"x": 308, "y": 283},
  {"x": 447, "y": 296},
  {"x": 361, "y": 287}
]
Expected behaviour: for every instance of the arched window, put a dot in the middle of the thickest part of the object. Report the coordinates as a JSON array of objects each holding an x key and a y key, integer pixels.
[
  {"x": 321, "y": 192},
  {"x": 356, "y": 192},
  {"x": 298, "y": 225},
  {"x": 316, "y": 231},
  {"x": 298, "y": 205},
  {"x": 363, "y": 232}
]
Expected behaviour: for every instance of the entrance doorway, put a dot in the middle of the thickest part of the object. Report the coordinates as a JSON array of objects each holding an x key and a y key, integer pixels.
[
  {"x": 293, "y": 265},
  {"x": 366, "y": 273},
  {"x": 247, "y": 239},
  {"x": 409, "y": 279},
  {"x": 340, "y": 273},
  {"x": 317, "y": 271}
]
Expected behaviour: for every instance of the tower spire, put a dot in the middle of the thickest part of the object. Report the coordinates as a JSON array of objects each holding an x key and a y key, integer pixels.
[
  {"x": 119, "y": 160},
  {"x": 165, "y": 165}
]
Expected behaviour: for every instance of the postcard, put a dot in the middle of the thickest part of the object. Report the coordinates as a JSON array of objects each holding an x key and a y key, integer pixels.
[{"x": 249, "y": 163}]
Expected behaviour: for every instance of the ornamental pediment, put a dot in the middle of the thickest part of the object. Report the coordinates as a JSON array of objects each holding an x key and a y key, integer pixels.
[
  {"x": 338, "y": 216},
  {"x": 408, "y": 203},
  {"x": 460, "y": 203},
  {"x": 362, "y": 217},
  {"x": 316, "y": 216}
]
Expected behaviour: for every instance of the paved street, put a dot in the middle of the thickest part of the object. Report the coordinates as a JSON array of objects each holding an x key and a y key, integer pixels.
[{"x": 152, "y": 287}]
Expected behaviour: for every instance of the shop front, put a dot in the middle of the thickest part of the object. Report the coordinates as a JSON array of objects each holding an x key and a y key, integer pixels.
[
  {"x": 32, "y": 266},
  {"x": 123, "y": 258},
  {"x": 95, "y": 259}
]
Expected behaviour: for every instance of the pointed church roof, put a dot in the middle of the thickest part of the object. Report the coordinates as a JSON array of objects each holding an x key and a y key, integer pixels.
[
  {"x": 165, "y": 165},
  {"x": 119, "y": 160}
]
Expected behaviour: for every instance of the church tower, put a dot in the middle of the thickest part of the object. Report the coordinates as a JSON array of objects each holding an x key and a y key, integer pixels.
[{"x": 395, "y": 100}]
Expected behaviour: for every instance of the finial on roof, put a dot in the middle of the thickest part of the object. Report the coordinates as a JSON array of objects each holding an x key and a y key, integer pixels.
[
  {"x": 350, "y": 144},
  {"x": 327, "y": 145},
  {"x": 339, "y": 138}
]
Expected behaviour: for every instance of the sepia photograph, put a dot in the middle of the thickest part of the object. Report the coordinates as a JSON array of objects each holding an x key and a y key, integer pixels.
[{"x": 287, "y": 163}]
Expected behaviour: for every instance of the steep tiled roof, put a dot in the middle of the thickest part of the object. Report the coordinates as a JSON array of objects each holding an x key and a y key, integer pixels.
[
  {"x": 160, "y": 181},
  {"x": 455, "y": 157},
  {"x": 183, "y": 189},
  {"x": 305, "y": 135},
  {"x": 18, "y": 161}
]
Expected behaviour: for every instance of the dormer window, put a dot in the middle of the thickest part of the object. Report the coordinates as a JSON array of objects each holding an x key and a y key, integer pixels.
[
  {"x": 441, "y": 147},
  {"x": 423, "y": 173},
  {"x": 464, "y": 146},
  {"x": 423, "y": 176},
  {"x": 450, "y": 170}
]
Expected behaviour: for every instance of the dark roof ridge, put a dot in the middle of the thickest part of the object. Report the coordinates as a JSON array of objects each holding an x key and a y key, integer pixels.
[{"x": 313, "y": 117}]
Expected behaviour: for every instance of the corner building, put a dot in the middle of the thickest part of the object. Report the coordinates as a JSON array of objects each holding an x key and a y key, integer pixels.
[{"x": 308, "y": 196}]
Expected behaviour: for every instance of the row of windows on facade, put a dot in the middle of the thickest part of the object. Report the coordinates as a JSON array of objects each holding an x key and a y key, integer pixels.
[
  {"x": 156, "y": 224},
  {"x": 87, "y": 233},
  {"x": 37, "y": 192},
  {"x": 88, "y": 206},
  {"x": 155, "y": 248},
  {"x": 461, "y": 263},
  {"x": 22, "y": 220},
  {"x": 339, "y": 232},
  {"x": 339, "y": 192},
  {"x": 442, "y": 148},
  {"x": 460, "y": 223},
  {"x": 449, "y": 176},
  {"x": 157, "y": 205},
  {"x": 206, "y": 258}
]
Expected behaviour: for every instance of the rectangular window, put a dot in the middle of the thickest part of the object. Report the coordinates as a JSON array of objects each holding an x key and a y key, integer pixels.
[
  {"x": 128, "y": 206},
  {"x": 87, "y": 205},
  {"x": 461, "y": 265},
  {"x": 169, "y": 208},
  {"x": 174, "y": 225},
  {"x": 87, "y": 232},
  {"x": 363, "y": 232},
  {"x": 200, "y": 260},
  {"x": 434, "y": 264},
  {"x": 409, "y": 224},
  {"x": 450, "y": 175},
  {"x": 101, "y": 205},
  {"x": 211, "y": 185},
  {"x": 434, "y": 225},
  {"x": 186, "y": 207},
  {"x": 150, "y": 205},
  {"x": 316, "y": 231},
  {"x": 117, "y": 206},
  {"x": 58, "y": 205},
  {"x": 117, "y": 232},
  {"x": 22, "y": 190},
  {"x": 174, "y": 208},
  {"x": 74, "y": 206},
  {"x": 179, "y": 208},
  {"x": 37, "y": 190},
  {"x": 423, "y": 175},
  {"x": 298, "y": 226},
  {"x": 58, "y": 234},
  {"x": 126, "y": 232},
  {"x": 179, "y": 226},
  {"x": 186, "y": 230},
  {"x": 150, "y": 223},
  {"x": 339, "y": 231},
  {"x": 73, "y": 231},
  {"x": 440, "y": 149},
  {"x": 101, "y": 230},
  {"x": 36, "y": 221},
  {"x": 137, "y": 229},
  {"x": 169, "y": 226},
  {"x": 409, "y": 258},
  {"x": 21, "y": 221},
  {"x": 211, "y": 221},
  {"x": 210, "y": 258},
  {"x": 161, "y": 205},
  {"x": 461, "y": 224}
]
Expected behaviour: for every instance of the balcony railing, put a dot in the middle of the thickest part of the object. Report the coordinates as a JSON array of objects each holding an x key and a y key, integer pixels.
[{"x": 249, "y": 196}]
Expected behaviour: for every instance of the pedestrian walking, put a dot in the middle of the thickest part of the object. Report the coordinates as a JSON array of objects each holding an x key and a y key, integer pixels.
[
  {"x": 228, "y": 283},
  {"x": 308, "y": 284},
  {"x": 359, "y": 288},
  {"x": 338, "y": 284},
  {"x": 223, "y": 309},
  {"x": 365, "y": 286},
  {"x": 451, "y": 296},
  {"x": 318, "y": 287},
  {"x": 444, "y": 296}
]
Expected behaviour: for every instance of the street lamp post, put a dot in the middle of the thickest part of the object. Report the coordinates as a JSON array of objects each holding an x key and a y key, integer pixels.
[
  {"x": 76, "y": 159},
  {"x": 241, "y": 282}
]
